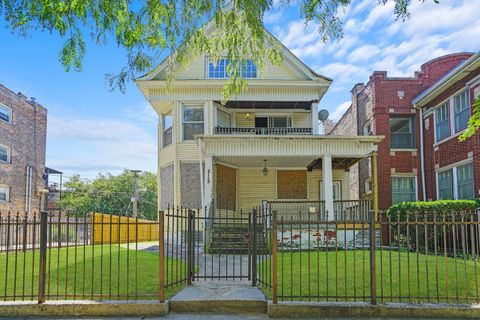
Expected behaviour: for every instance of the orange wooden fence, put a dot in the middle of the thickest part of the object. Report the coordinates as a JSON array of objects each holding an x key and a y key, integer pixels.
[{"x": 110, "y": 228}]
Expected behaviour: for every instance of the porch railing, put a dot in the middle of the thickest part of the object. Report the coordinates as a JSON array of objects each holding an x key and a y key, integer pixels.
[
  {"x": 264, "y": 131},
  {"x": 351, "y": 210}
]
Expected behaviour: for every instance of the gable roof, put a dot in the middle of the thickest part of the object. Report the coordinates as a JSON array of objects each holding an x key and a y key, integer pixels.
[{"x": 288, "y": 57}]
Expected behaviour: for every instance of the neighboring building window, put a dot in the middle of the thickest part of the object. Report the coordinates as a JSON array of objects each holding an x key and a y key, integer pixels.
[
  {"x": 465, "y": 188},
  {"x": 442, "y": 128},
  {"x": 367, "y": 128},
  {"x": 402, "y": 133},
  {"x": 4, "y": 154},
  {"x": 219, "y": 70},
  {"x": 445, "y": 185},
  {"x": 192, "y": 121},
  {"x": 368, "y": 185},
  {"x": 224, "y": 119},
  {"x": 461, "y": 108},
  {"x": 5, "y": 114},
  {"x": 403, "y": 189},
  {"x": 4, "y": 196},
  {"x": 167, "y": 129}
]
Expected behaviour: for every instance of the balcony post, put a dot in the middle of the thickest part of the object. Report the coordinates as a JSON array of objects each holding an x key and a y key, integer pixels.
[
  {"x": 328, "y": 185},
  {"x": 315, "y": 118}
]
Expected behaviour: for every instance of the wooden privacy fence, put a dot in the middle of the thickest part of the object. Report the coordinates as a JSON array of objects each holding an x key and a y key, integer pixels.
[{"x": 110, "y": 228}]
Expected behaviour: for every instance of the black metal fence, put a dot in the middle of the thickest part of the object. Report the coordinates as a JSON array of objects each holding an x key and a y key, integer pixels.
[{"x": 415, "y": 258}]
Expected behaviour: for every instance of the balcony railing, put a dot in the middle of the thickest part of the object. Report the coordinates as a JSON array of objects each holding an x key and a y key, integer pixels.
[{"x": 264, "y": 131}]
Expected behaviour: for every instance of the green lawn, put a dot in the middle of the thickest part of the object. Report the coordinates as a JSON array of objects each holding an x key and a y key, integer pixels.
[
  {"x": 102, "y": 272},
  {"x": 347, "y": 273}
]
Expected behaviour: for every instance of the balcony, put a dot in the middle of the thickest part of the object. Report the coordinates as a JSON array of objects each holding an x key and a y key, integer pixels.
[{"x": 264, "y": 131}]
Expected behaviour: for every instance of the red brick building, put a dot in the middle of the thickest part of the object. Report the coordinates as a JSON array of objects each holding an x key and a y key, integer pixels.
[{"x": 384, "y": 106}]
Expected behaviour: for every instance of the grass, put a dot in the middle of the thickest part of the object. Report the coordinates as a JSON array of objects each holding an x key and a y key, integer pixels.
[
  {"x": 346, "y": 275},
  {"x": 100, "y": 273}
]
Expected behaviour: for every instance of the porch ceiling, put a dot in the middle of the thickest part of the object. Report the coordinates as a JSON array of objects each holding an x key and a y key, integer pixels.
[{"x": 285, "y": 162}]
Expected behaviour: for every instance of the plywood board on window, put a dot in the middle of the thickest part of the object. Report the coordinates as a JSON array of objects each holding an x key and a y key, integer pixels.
[
  {"x": 292, "y": 184},
  {"x": 226, "y": 187}
]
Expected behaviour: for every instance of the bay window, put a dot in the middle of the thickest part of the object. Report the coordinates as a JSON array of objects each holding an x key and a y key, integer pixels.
[
  {"x": 193, "y": 121},
  {"x": 167, "y": 123}
]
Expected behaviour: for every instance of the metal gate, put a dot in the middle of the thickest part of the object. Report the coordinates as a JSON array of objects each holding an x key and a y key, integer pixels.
[{"x": 226, "y": 245}]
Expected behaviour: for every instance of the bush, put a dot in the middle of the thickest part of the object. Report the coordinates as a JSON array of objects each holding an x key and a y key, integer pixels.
[{"x": 431, "y": 207}]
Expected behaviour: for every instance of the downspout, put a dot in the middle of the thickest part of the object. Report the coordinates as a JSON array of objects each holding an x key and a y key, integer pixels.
[{"x": 422, "y": 156}]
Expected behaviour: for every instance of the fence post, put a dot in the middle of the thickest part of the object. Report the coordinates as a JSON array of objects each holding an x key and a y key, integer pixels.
[
  {"x": 254, "y": 247},
  {"x": 161, "y": 255},
  {"x": 373, "y": 273},
  {"x": 43, "y": 256},
  {"x": 189, "y": 247},
  {"x": 274, "y": 256}
]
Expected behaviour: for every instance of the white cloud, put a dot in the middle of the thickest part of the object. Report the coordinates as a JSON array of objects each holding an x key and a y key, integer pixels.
[
  {"x": 339, "y": 111},
  {"x": 363, "y": 53}
]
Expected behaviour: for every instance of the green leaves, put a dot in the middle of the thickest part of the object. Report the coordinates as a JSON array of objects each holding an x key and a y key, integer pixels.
[
  {"x": 430, "y": 207},
  {"x": 473, "y": 122},
  {"x": 148, "y": 29}
]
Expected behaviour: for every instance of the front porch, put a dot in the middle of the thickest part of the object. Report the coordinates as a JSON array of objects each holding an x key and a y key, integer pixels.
[{"x": 297, "y": 176}]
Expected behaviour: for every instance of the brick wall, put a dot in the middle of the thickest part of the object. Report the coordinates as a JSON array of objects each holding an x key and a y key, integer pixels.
[
  {"x": 450, "y": 150},
  {"x": 378, "y": 100},
  {"x": 26, "y": 138}
]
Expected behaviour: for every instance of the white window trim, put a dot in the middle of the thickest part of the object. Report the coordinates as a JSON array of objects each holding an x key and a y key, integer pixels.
[
  {"x": 467, "y": 90},
  {"x": 207, "y": 68},
  {"x": 451, "y": 114},
  {"x": 454, "y": 167},
  {"x": 2, "y": 106},
  {"x": 205, "y": 117},
  {"x": 413, "y": 133},
  {"x": 221, "y": 108},
  {"x": 406, "y": 175},
  {"x": 7, "y": 193},
  {"x": 162, "y": 129},
  {"x": 9, "y": 154}
]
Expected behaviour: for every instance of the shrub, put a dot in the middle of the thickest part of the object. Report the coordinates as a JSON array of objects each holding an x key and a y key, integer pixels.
[{"x": 431, "y": 207}]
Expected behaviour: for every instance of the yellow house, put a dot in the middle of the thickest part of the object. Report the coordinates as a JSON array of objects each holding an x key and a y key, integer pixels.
[{"x": 262, "y": 146}]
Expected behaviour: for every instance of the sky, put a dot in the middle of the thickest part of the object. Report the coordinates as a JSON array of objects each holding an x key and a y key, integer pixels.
[{"x": 92, "y": 129}]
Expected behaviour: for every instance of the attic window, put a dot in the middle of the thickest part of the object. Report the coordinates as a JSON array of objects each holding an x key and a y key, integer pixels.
[{"x": 219, "y": 70}]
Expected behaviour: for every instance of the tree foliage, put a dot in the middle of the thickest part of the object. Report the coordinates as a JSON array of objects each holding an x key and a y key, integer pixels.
[
  {"x": 149, "y": 29},
  {"x": 111, "y": 194},
  {"x": 473, "y": 122}
]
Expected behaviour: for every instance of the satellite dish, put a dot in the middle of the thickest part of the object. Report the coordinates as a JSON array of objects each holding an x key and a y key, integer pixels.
[{"x": 323, "y": 115}]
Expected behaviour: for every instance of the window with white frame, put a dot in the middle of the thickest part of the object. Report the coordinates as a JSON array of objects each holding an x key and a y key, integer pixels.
[
  {"x": 4, "y": 154},
  {"x": 445, "y": 185},
  {"x": 456, "y": 183},
  {"x": 461, "y": 109},
  {"x": 402, "y": 133},
  {"x": 224, "y": 119},
  {"x": 167, "y": 123},
  {"x": 193, "y": 121},
  {"x": 4, "y": 196},
  {"x": 219, "y": 69},
  {"x": 465, "y": 189},
  {"x": 367, "y": 128},
  {"x": 5, "y": 114},
  {"x": 404, "y": 189},
  {"x": 442, "y": 119}
]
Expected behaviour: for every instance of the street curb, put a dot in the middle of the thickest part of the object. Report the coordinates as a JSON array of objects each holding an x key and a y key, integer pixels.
[
  {"x": 390, "y": 310},
  {"x": 219, "y": 306},
  {"x": 83, "y": 308}
]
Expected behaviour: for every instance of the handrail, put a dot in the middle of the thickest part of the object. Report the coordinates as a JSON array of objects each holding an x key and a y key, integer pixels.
[{"x": 264, "y": 131}]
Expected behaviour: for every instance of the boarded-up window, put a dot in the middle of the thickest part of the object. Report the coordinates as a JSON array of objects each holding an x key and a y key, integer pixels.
[
  {"x": 292, "y": 184},
  {"x": 226, "y": 187}
]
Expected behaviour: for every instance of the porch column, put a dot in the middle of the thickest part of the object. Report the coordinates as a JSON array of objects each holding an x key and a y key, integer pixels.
[
  {"x": 375, "y": 184},
  {"x": 328, "y": 185},
  {"x": 208, "y": 176}
]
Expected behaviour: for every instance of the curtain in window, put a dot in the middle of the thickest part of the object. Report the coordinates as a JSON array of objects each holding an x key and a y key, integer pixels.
[
  {"x": 403, "y": 189},
  {"x": 192, "y": 122},
  {"x": 445, "y": 185},
  {"x": 465, "y": 182}
]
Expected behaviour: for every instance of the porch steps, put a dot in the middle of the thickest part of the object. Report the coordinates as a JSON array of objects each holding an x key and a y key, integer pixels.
[
  {"x": 234, "y": 239},
  {"x": 219, "y": 298}
]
